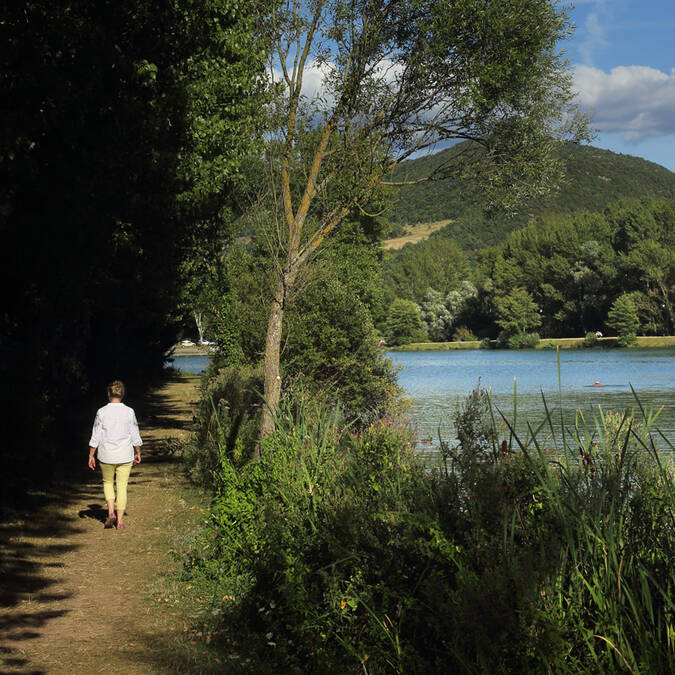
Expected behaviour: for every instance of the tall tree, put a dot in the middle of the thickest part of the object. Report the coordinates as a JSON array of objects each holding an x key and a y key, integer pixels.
[
  {"x": 364, "y": 84},
  {"x": 121, "y": 125},
  {"x": 623, "y": 319},
  {"x": 517, "y": 313}
]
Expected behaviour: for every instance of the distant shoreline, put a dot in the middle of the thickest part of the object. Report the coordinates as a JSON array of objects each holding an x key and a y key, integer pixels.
[
  {"x": 643, "y": 342},
  {"x": 649, "y": 342},
  {"x": 192, "y": 350}
]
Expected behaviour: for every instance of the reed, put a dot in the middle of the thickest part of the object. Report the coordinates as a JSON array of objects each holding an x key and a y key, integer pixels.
[{"x": 546, "y": 551}]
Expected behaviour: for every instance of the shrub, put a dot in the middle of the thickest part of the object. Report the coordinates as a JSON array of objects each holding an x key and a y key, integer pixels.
[
  {"x": 485, "y": 343},
  {"x": 332, "y": 349},
  {"x": 591, "y": 339},
  {"x": 463, "y": 334},
  {"x": 227, "y": 422},
  {"x": 341, "y": 548},
  {"x": 523, "y": 341}
]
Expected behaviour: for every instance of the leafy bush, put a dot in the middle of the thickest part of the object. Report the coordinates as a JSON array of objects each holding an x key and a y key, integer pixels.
[
  {"x": 523, "y": 341},
  {"x": 591, "y": 339},
  {"x": 485, "y": 343},
  {"x": 227, "y": 422},
  {"x": 332, "y": 349},
  {"x": 464, "y": 334}
]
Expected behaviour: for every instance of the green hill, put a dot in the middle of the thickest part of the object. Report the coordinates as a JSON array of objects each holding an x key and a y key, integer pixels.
[{"x": 594, "y": 178}]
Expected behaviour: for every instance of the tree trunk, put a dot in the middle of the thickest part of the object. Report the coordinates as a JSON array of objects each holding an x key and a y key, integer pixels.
[
  {"x": 200, "y": 325},
  {"x": 272, "y": 391}
]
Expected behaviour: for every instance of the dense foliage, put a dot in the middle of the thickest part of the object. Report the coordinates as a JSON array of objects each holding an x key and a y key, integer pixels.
[
  {"x": 340, "y": 552},
  {"x": 434, "y": 263},
  {"x": 404, "y": 324},
  {"x": 576, "y": 267},
  {"x": 331, "y": 344},
  {"x": 121, "y": 124},
  {"x": 623, "y": 319},
  {"x": 559, "y": 276}
]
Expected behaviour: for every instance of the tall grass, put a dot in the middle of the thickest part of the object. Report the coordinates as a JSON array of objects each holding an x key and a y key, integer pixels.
[
  {"x": 550, "y": 552},
  {"x": 616, "y": 509}
]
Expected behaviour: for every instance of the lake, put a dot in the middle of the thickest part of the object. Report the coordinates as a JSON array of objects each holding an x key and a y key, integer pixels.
[{"x": 435, "y": 382}]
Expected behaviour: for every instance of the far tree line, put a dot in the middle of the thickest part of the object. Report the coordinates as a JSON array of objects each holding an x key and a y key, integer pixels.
[{"x": 564, "y": 276}]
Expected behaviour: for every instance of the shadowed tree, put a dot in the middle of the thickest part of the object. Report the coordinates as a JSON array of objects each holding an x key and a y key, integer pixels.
[
  {"x": 364, "y": 84},
  {"x": 123, "y": 124}
]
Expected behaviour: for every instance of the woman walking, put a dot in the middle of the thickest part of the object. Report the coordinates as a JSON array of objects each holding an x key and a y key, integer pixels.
[{"x": 118, "y": 440}]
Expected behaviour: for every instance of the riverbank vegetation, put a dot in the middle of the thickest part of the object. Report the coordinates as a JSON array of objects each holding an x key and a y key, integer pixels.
[
  {"x": 340, "y": 551},
  {"x": 641, "y": 342}
]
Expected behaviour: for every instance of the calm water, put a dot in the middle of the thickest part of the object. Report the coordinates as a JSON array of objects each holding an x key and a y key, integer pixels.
[
  {"x": 435, "y": 381},
  {"x": 190, "y": 364}
]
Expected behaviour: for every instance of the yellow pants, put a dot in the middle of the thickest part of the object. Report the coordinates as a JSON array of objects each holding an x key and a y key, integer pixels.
[{"x": 109, "y": 472}]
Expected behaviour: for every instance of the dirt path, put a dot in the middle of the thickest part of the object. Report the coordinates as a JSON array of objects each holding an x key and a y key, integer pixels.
[{"x": 77, "y": 598}]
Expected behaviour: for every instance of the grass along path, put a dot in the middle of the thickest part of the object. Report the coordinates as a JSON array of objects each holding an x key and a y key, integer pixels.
[{"x": 76, "y": 598}]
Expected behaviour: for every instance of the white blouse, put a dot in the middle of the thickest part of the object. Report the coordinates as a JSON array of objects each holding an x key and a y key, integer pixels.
[{"x": 115, "y": 434}]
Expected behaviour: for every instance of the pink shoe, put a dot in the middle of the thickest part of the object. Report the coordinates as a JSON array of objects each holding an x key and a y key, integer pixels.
[{"x": 120, "y": 526}]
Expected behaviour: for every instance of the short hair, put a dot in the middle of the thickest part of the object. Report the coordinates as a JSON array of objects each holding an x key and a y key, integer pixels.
[{"x": 116, "y": 389}]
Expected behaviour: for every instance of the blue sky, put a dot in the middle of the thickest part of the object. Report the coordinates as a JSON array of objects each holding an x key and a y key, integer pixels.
[{"x": 623, "y": 55}]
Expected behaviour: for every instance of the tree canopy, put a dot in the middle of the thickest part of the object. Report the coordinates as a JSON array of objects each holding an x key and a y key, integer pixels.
[
  {"x": 123, "y": 126},
  {"x": 361, "y": 86}
]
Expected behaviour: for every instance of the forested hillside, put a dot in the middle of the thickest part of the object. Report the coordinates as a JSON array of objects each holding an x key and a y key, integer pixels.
[
  {"x": 594, "y": 178},
  {"x": 565, "y": 275}
]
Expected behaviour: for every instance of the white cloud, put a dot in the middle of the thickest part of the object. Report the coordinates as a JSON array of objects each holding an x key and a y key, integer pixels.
[
  {"x": 636, "y": 101},
  {"x": 595, "y": 35},
  {"x": 313, "y": 78}
]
